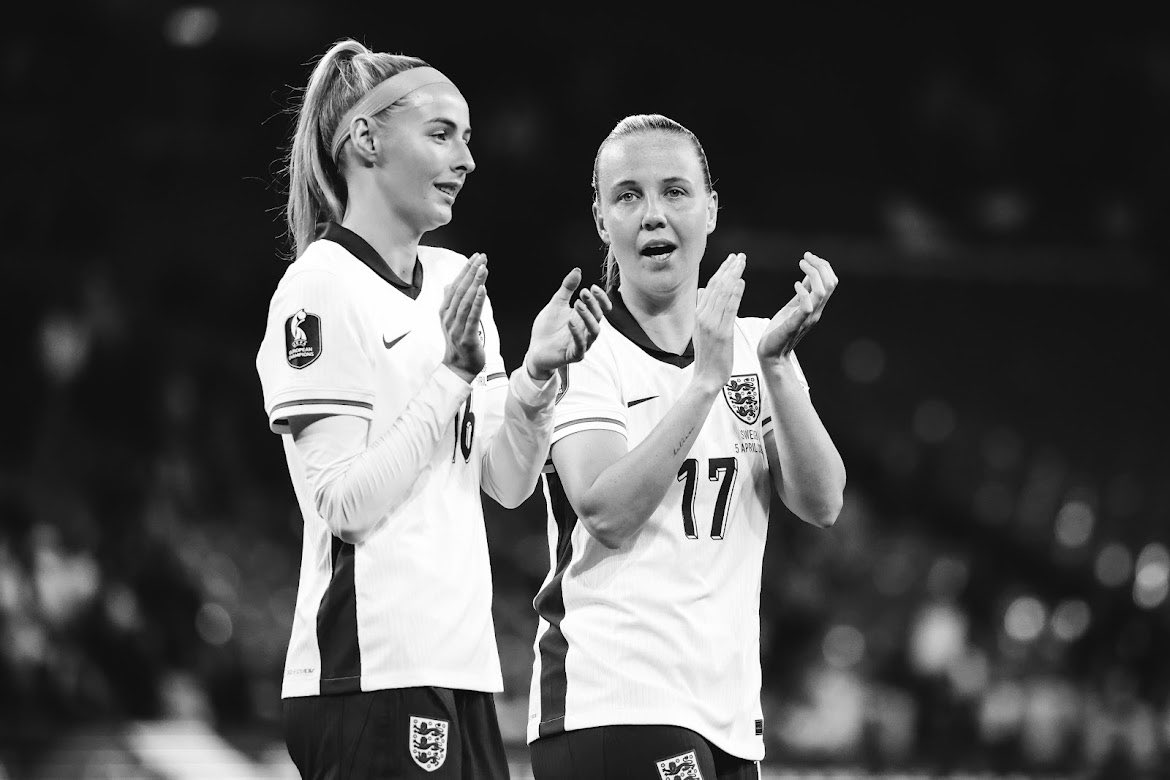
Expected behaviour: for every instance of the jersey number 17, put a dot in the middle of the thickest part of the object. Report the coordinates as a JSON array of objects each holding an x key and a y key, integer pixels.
[{"x": 721, "y": 470}]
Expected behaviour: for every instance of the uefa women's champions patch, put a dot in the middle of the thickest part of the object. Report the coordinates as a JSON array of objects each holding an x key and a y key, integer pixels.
[
  {"x": 742, "y": 393},
  {"x": 683, "y": 767},
  {"x": 428, "y": 742},
  {"x": 302, "y": 338}
]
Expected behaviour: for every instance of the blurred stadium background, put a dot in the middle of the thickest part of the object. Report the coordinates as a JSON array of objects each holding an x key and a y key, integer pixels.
[{"x": 990, "y": 185}]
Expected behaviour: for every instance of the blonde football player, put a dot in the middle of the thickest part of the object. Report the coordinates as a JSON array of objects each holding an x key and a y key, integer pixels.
[
  {"x": 669, "y": 437},
  {"x": 381, "y": 368}
]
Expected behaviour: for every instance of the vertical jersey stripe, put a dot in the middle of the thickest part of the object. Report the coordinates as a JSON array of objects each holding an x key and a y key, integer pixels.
[
  {"x": 550, "y": 605},
  {"x": 341, "y": 663}
]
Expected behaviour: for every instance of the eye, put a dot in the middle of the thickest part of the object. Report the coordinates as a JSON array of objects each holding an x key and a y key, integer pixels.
[
  {"x": 676, "y": 192},
  {"x": 627, "y": 196}
]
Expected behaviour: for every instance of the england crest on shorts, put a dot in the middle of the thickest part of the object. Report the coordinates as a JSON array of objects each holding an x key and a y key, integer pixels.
[
  {"x": 684, "y": 767},
  {"x": 742, "y": 393},
  {"x": 302, "y": 338},
  {"x": 428, "y": 742}
]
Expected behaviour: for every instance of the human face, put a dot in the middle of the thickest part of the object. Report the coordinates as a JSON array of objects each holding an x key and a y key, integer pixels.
[
  {"x": 654, "y": 211},
  {"x": 425, "y": 159}
]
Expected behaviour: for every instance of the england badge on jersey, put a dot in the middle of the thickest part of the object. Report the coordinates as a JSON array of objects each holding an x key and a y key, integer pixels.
[
  {"x": 428, "y": 742},
  {"x": 302, "y": 338},
  {"x": 742, "y": 393},
  {"x": 684, "y": 767}
]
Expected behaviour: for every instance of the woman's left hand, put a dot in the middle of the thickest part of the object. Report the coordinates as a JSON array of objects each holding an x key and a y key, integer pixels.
[
  {"x": 561, "y": 333},
  {"x": 797, "y": 317}
]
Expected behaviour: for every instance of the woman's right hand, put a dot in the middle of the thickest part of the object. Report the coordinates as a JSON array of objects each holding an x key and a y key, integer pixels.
[
  {"x": 715, "y": 315},
  {"x": 459, "y": 314}
]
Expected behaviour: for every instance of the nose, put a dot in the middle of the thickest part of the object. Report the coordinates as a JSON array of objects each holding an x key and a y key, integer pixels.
[
  {"x": 652, "y": 216},
  {"x": 464, "y": 162}
]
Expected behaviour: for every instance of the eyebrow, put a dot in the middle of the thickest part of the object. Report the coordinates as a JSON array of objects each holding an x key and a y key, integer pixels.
[
  {"x": 448, "y": 123},
  {"x": 667, "y": 180}
]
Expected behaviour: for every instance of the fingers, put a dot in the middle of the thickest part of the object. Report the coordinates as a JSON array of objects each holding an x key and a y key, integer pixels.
[
  {"x": 591, "y": 322},
  {"x": 461, "y": 309},
  {"x": 474, "y": 310},
  {"x": 720, "y": 285},
  {"x": 454, "y": 292},
  {"x": 568, "y": 286},
  {"x": 598, "y": 301},
  {"x": 578, "y": 331},
  {"x": 820, "y": 278}
]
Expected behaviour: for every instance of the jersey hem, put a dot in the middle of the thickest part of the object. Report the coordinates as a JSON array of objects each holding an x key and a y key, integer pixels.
[
  {"x": 415, "y": 679},
  {"x": 748, "y": 752}
]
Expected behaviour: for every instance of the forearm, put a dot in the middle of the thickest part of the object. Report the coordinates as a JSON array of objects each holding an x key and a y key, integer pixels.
[
  {"x": 809, "y": 475},
  {"x": 355, "y": 486},
  {"x": 516, "y": 453},
  {"x": 623, "y": 497}
]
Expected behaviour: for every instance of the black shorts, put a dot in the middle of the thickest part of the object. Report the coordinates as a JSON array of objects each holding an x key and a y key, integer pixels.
[
  {"x": 397, "y": 733},
  {"x": 635, "y": 753}
]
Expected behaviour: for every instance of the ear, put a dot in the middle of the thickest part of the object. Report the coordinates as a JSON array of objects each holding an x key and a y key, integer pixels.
[
  {"x": 363, "y": 139},
  {"x": 599, "y": 223},
  {"x": 712, "y": 211}
]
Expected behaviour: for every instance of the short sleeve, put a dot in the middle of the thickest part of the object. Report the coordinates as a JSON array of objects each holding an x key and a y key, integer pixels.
[
  {"x": 312, "y": 359},
  {"x": 590, "y": 396}
]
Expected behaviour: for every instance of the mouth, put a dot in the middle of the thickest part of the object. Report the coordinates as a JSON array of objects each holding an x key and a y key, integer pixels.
[
  {"x": 658, "y": 249},
  {"x": 448, "y": 189}
]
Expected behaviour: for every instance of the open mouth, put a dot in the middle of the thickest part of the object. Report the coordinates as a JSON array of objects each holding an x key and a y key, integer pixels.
[
  {"x": 450, "y": 190},
  {"x": 658, "y": 249}
]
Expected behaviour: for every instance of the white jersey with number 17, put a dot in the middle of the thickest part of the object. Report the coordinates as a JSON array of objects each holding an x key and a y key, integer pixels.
[{"x": 665, "y": 629}]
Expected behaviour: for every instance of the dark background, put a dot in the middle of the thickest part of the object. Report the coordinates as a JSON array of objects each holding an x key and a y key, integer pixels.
[{"x": 989, "y": 184}]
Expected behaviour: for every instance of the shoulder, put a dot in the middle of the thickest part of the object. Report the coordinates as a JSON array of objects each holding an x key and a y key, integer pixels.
[
  {"x": 441, "y": 259},
  {"x": 322, "y": 260}
]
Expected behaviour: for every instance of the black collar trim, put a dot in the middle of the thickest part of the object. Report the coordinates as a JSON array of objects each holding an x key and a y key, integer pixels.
[
  {"x": 361, "y": 249},
  {"x": 624, "y": 323}
]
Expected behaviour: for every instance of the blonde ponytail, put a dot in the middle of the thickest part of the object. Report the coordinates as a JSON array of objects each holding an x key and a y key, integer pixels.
[{"x": 316, "y": 186}]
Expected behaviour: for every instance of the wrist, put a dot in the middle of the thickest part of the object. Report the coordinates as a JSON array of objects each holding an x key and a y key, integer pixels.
[
  {"x": 779, "y": 369},
  {"x": 463, "y": 373},
  {"x": 539, "y": 376},
  {"x": 706, "y": 386}
]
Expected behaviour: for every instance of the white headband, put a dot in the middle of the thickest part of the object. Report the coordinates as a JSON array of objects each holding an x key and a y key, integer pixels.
[{"x": 385, "y": 95}]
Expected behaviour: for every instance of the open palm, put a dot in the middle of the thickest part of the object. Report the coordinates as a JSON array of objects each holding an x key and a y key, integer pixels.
[{"x": 562, "y": 332}]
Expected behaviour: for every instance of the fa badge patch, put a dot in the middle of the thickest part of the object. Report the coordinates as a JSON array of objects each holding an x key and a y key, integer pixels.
[
  {"x": 742, "y": 393},
  {"x": 684, "y": 767},
  {"x": 428, "y": 742},
  {"x": 302, "y": 338}
]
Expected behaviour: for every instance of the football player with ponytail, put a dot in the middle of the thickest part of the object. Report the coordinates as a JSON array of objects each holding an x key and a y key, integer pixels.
[
  {"x": 669, "y": 438},
  {"x": 380, "y": 367}
]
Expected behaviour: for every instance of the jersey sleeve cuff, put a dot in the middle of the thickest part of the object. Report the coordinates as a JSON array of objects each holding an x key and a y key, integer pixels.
[
  {"x": 531, "y": 393},
  {"x": 355, "y": 404},
  {"x": 590, "y": 420}
]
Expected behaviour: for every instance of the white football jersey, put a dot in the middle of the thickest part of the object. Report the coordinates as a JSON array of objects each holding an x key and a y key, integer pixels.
[
  {"x": 410, "y": 605},
  {"x": 664, "y": 630}
]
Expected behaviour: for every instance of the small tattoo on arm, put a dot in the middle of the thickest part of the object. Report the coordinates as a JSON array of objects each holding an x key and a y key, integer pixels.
[{"x": 683, "y": 441}]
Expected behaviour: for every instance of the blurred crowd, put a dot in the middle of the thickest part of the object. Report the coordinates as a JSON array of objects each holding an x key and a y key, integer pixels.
[{"x": 994, "y": 595}]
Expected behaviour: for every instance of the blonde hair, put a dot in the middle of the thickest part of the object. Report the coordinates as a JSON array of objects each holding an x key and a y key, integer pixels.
[
  {"x": 632, "y": 125},
  {"x": 316, "y": 186}
]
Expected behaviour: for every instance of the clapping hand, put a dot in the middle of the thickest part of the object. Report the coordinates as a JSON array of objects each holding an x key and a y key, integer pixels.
[
  {"x": 803, "y": 310},
  {"x": 715, "y": 314},
  {"x": 561, "y": 333},
  {"x": 459, "y": 314}
]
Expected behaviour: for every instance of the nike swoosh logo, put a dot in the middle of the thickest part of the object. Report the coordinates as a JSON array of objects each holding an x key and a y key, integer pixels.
[
  {"x": 389, "y": 344},
  {"x": 632, "y": 404}
]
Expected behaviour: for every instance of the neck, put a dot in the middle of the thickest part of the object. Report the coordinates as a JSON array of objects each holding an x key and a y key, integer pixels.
[
  {"x": 376, "y": 222},
  {"x": 669, "y": 320}
]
